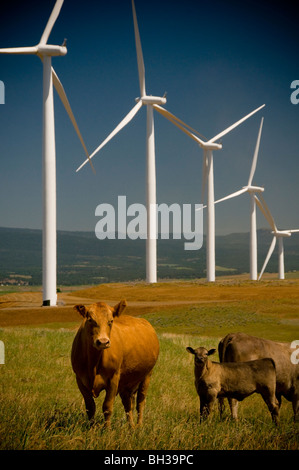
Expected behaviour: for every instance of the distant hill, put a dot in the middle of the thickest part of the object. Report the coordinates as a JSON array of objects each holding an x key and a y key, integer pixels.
[{"x": 83, "y": 259}]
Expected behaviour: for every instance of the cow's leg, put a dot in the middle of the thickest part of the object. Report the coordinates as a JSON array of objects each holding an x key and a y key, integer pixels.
[
  {"x": 278, "y": 397},
  {"x": 206, "y": 406},
  {"x": 271, "y": 401},
  {"x": 141, "y": 396},
  {"x": 127, "y": 398},
  {"x": 204, "y": 410},
  {"x": 108, "y": 403},
  {"x": 211, "y": 402},
  {"x": 221, "y": 406},
  {"x": 295, "y": 403},
  {"x": 88, "y": 399},
  {"x": 233, "y": 403}
]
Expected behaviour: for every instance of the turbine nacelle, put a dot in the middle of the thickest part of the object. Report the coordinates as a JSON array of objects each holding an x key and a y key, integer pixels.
[
  {"x": 152, "y": 99},
  {"x": 40, "y": 50},
  {"x": 48, "y": 49},
  {"x": 210, "y": 146},
  {"x": 282, "y": 233},
  {"x": 254, "y": 189}
]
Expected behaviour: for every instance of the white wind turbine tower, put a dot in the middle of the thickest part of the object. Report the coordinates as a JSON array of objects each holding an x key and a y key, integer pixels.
[
  {"x": 208, "y": 176},
  {"x": 251, "y": 190},
  {"x": 277, "y": 234},
  {"x": 149, "y": 101},
  {"x": 45, "y": 52}
]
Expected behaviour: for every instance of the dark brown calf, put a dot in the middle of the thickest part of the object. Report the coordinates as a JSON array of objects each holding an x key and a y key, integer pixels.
[{"x": 234, "y": 380}]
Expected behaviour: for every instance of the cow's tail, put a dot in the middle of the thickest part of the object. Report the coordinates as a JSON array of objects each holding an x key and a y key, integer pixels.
[
  {"x": 223, "y": 343},
  {"x": 273, "y": 362}
]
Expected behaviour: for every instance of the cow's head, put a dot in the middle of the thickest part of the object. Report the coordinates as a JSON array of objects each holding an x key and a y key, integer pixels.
[
  {"x": 98, "y": 320},
  {"x": 201, "y": 355}
]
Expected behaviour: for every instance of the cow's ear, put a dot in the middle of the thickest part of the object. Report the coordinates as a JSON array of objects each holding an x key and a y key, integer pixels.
[
  {"x": 190, "y": 350},
  {"x": 211, "y": 351},
  {"x": 119, "y": 308},
  {"x": 81, "y": 309}
]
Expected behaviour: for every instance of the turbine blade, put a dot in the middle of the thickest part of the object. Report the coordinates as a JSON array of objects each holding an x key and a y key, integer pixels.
[
  {"x": 268, "y": 213},
  {"x": 19, "y": 50},
  {"x": 200, "y": 208},
  {"x": 271, "y": 249},
  {"x": 62, "y": 95},
  {"x": 140, "y": 61},
  {"x": 293, "y": 231},
  {"x": 262, "y": 209},
  {"x": 51, "y": 22},
  {"x": 174, "y": 118},
  {"x": 254, "y": 161},
  {"x": 118, "y": 128},
  {"x": 226, "y": 131},
  {"x": 269, "y": 219},
  {"x": 177, "y": 122},
  {"x": 237, "y": 193}
]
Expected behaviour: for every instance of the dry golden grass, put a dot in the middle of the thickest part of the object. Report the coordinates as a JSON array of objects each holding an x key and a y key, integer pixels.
[
  {"x": 279, "y": 299},
  {"x": 190, "y": 291}
]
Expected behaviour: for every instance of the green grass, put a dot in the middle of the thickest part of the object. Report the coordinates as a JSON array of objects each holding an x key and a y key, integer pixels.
[
  {"x": 41, "y": 406},
  {"x": 221, "y": 319}
]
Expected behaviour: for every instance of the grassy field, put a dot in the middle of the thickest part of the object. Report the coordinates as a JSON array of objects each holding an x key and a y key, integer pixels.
[{"x": 41, "y": 406}]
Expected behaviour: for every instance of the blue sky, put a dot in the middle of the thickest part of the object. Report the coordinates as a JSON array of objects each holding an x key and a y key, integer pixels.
[{"x": 217, "y": 61}]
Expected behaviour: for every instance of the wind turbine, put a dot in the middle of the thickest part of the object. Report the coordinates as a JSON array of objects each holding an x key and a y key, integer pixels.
[
  {"x": 277, "y": 234},
  {"x": 150, "y": 102},
  {"x": 208, "y": 177},
  {"x": 251, "y": 190},
  {"x": 45, "y": 52}
]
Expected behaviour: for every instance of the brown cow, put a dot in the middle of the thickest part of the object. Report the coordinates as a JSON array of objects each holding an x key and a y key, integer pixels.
[
  {"x": 235, "y": 379},
  {"x": 237, "y": 347},
  {"x": 117, "y": 359}
]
